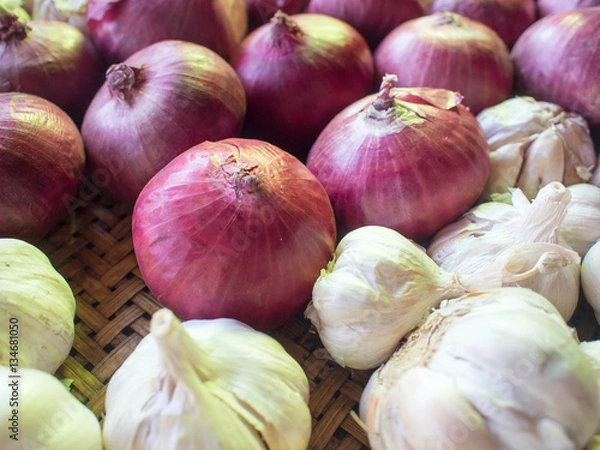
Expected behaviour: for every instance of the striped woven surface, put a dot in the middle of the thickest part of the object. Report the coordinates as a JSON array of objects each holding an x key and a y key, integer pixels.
[{"x": 92, "y": 248}]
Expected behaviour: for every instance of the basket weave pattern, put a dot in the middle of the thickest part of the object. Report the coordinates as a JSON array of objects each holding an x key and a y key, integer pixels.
[{"x": 93, "y": 249}]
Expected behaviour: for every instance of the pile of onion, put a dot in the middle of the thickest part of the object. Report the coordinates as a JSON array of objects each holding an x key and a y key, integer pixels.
[
  {"x": 548, "y": 7},
  {"x": 50, "y": 59},
  {"x": 298, "y": 72},
  {"x": 41, "y": 165},
  {"x": 557, "y": 59},
  {"x": 261, "y": 11},
  {"x": 508, "y": 18},
  {"x": 374, "y": 19},
  {"x": 119, "y": 28},
  {"x": 159, "y": 102},
  {"x": 236, "y": 228},
  {"x": 446, "y": 50},
  {"x": 410, "y": 159}
]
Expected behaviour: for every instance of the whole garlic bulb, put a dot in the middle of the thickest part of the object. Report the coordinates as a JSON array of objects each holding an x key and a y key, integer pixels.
[
  {"x": 498, "y": 369},
  {"x": 494, "y": 231},
  {"x": 378, "y": 287},
  {"x": 39, "y": 305},
  {"x": 533, "y": 143},
  {"x": 207, "y": 384},
  {"x": 44, "y": 415}
]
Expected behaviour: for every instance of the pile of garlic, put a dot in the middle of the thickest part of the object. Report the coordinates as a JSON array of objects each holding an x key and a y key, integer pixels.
[
  {"x": 534, "y": 143},
  {"x": 499, "y": 369},
  {"x": 379, "y": 285},
  {"x": 207, "y": 384},
  {"x": 37, "y": 310}
]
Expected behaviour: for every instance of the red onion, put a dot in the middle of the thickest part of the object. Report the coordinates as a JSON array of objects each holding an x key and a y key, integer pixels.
[
  {"x": 235, "y": 228},
  {"x": 261, "y": 11},
  {"x": 548, "y": 7},
  {"x": 159, "y": 102},
  {"x": 508, "y": 18},
  {"x": 374, "y": 19},
  {"x": 50, "y": 59},
  {"x": 410, "y": 159},
  {"x": 41, "y": 165},
  {"x": 557, "y": 59},
  {"x": 298, "y": 72},
  {"x": 449, "y": 51},
  {"x": 119, "y": 28}
]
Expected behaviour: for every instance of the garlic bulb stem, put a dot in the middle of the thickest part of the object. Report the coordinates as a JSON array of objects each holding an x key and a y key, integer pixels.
[
  {"x": 174, "y": 343},
  {"x": 541, "y": 221}
]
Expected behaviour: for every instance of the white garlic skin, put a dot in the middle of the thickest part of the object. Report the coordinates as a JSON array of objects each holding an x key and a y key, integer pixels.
[
  {"x": 207, "y": 384},
  {"x": 499, "y": 369},
  {"x": 590, "y": 278},
  {"x": 47, "y": 416},
  {"x": 528, "y": 232},
  {"x": 39, "y": 303},
  {"x": 534, "y": 143},
  {"x": 581, "y": 226}
]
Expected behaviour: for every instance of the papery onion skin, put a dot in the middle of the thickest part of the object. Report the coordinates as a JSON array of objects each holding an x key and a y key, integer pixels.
[
  {"x": 557, "y": 59},
  {"x": 448, "y": 51},
  {"x": 181, "y": 94},
  {"x": 374, "y": 19},
  {"x": 237, "y": 228},
  {"x": 298, "y": 72},
  {"x": 119, "y": 28},
  {"x": 42, "y": 163},
  {"x": 261, "y": 11},
  {"x": 549, "y": 7},
  {"x": 508, "y": 18},
  {"x": 50, "y": 59},
  {"x": 406, "y": 173}
]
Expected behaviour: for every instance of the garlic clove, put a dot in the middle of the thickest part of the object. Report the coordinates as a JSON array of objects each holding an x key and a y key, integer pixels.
[
  {"x": 581, "y": 225},
  {"x": 544, "y": 163},
  {"x": 505, "y": 167},
  {"x": 590, "y": 278},
  {"x": 455, "y": 424},
  {"x": 580, "y": 154}
]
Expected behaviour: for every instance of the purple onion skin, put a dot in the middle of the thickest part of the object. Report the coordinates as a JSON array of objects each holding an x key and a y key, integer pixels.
[
  {"x": 261, "y": 11},
  {"x": 236, "y": 228},
  {"x": 41, "y": 165},
  {"x": 445, "y": 50},
  {"x": 374, "y": 19},
  {"x": 412, "y": 175},
  {"x": 120, "y": 28},
  {"x": 557, "y": 59},
  {"x": 184, "y": 94},
  {"x": 548, "y": 7},
  {"x": 508, "y": 18},
  {"x": 53, "y": 60},
  {"x": 296, "y": 82}
]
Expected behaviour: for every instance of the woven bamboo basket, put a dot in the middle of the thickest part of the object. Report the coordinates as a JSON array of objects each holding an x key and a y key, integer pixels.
[{"x": 92, "y": 248}]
